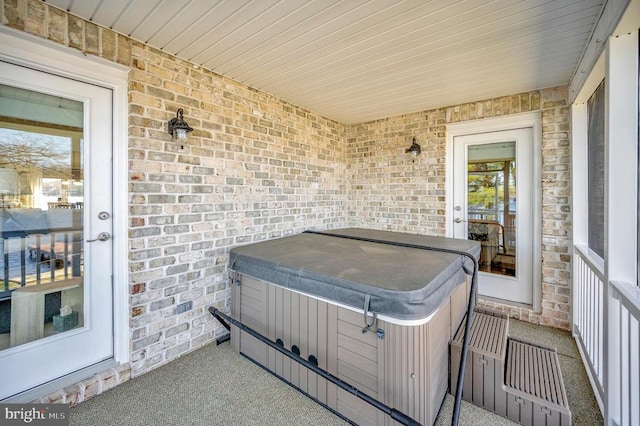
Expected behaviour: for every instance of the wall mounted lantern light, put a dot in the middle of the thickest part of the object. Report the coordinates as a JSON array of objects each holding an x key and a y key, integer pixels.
[
  {"x": 414, "y": 149},
  {"x": 178, "y": 128}
]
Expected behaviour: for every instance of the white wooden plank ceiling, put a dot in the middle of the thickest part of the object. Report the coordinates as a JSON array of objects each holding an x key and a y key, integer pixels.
[{"x": 361, "y": 60}]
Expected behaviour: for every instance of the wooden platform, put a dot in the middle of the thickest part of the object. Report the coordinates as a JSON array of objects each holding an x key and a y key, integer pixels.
[
  {"x": 511, "y": 377},
  {"x": 536, "y": 394},
  {"x": 484, "y": 374}
]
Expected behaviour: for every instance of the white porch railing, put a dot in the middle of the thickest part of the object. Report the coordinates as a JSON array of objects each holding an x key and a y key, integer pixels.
[
  {"x": 606, "y": 326},
  {"x": 38, "y": 258},
  {"x": 588, "y": 319},
  {"x": 623, "y": 407}
]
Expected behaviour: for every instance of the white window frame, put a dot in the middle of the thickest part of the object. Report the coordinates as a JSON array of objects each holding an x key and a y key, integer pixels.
[
  {"x": 580, "y": 173},
  {"x": 618, "y": 66}
]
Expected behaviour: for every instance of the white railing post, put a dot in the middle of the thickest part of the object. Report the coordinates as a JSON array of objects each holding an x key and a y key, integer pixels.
[
  {"x": 624, "y": 361},
  {"x": 612, "y": 410},
  {"x": 621, "y": 218}
]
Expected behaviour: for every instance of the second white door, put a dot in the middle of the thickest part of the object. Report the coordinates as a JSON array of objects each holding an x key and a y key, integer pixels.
[{"x": 493, "y": 202}]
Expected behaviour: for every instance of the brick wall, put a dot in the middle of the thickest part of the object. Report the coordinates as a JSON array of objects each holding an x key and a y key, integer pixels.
[
  {"x": 257, "y": 167},
  {"x": 390, "y": 190}
]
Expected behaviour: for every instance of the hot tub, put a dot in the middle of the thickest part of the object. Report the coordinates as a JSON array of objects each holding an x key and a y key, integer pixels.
[{"x": 377, "y": 316}]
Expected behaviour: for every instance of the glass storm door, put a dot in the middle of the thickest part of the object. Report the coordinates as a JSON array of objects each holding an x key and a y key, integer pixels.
[
  {"x": 55, "y": 229},
  {"x": 493, "y": 175}
]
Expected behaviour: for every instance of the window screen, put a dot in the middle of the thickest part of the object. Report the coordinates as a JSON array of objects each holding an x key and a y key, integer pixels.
[{"x": 596, "y": 171}]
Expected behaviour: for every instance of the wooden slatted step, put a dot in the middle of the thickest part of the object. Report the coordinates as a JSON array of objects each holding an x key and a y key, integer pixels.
[
  {"x": 511, "y": 377},
  {"x": 489, "y": 332},
  {"x": 484, "y": 374},
  {"x": 534, "y": 384}
]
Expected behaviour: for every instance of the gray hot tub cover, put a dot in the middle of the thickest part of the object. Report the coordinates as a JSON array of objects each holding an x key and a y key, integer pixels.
[{"x": 402, "y": 283}]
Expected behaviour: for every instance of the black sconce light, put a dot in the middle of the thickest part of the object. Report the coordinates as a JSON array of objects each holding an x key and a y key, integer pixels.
[
  {"x": 414, "y": 149},
  {"x": 178, "y": 128}
]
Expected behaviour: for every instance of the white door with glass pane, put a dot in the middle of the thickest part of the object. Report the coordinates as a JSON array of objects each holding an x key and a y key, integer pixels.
[
  {"x": 493, "y": 203},
  {"x": 56, "y": 202}
]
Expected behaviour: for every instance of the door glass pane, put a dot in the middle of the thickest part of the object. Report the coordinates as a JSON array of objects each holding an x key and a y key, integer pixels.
[
  {"x": 41, "y": 196},
  {"x": 491, "y": 205}
]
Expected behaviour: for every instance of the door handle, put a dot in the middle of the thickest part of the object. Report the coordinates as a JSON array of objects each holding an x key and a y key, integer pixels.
[
  {"x": 458, "y": 220},
  {"x": 103, "y": 236}
]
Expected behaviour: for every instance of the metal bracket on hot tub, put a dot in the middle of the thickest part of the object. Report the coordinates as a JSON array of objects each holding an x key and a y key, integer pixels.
[
  {"x": 367, "y": 326},
  {"x": 234, "y": 277},
  {"x": 226, "y": 336}
]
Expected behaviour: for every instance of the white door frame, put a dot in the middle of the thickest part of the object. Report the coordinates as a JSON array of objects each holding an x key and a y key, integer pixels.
[
  {"x": 24, "y": 49},
  {"x": 496, "y": 124}
]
